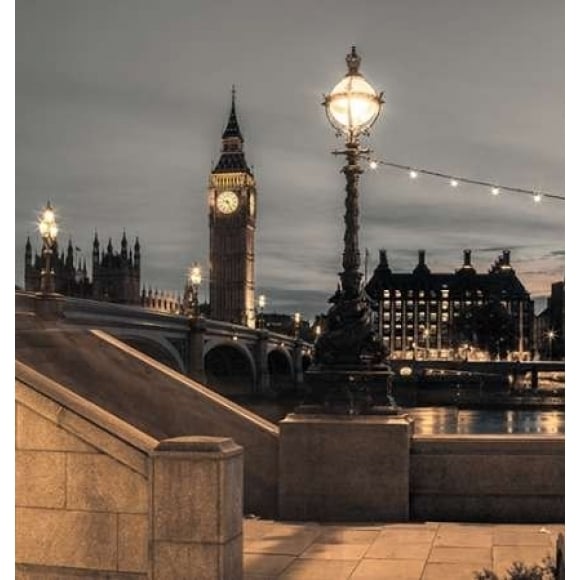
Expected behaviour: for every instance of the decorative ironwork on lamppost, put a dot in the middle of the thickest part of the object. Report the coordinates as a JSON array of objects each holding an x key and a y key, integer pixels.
[
  {"x": 48, "y": 229},
  {"x": 348, "y": 340}
]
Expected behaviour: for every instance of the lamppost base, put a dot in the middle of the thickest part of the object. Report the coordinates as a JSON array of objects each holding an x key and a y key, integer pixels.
[{"x": 344, "y": 390}]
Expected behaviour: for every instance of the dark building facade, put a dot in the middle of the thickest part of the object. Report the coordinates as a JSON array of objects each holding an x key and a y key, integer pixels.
[
  {"x": 69, "y": 279},
  {"x": 430, "y": 315},
  {"x": 116, "y": 275},
  {"x": 232, "y": 224}
]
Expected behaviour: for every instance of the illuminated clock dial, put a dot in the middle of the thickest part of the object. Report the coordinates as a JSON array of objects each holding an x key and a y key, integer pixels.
[{"x": 227, "y": 202}]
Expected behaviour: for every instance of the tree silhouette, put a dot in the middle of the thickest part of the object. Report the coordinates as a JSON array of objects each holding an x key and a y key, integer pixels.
[{"x": 490, "y": 327}]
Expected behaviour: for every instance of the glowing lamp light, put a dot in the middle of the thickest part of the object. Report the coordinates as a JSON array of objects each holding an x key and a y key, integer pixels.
[
  {"x": 297, "y": 317},
  {"x": 413, "y": 174},
  {"x": 495, "y": 190},
  {"x": 47, "y": 225},
  {"x": 406, "y": 371},
  {"x": 454, "y": 183},
  {"x": 537, "y": 197},
  {"x": 353, "y": 105},
  {"x": 373, "y": 164},
  {"x": 195, "y": 274},
  {"x": 261, "y": 301}
]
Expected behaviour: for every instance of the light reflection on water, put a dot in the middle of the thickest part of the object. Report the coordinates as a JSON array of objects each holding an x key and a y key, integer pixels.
[
  {"x": 444, "y": 420},
  {"x": 450, "y": 420}
]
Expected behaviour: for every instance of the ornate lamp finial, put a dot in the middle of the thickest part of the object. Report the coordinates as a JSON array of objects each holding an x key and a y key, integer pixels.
[{"x": 353, "y": 61}]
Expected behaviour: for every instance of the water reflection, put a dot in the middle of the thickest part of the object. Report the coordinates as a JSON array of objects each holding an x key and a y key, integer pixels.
[{"x": 450, "y": 420}]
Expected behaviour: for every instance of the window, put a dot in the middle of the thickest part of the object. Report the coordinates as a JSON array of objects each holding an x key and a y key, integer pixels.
[
  {"x": 409, "y": 304},
  {"x": 386, "y": 293},
  {"x": 421, "y": 294},
  {"x": 444, "y": 317},
  {"x": 397, "y": 293},
  {"x": 433, "y": 317},
  {"x": 409, "y": 316},
  {"x": 398, "y": 305},
  {"x": 444, "y": 305}
]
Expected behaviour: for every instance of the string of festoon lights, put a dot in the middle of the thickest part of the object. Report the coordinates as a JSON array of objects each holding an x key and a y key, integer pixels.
[{"x": 454, "y": 180}]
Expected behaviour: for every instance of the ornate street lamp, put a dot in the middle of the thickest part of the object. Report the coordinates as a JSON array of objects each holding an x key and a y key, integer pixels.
[
  {"x": 261, "y": 306},
  {"x": 297, "y": 318},
  {"x": 190, "y": 296},
  {"x": 48, "y": 229},
  {"x": 352, "y": 107}
]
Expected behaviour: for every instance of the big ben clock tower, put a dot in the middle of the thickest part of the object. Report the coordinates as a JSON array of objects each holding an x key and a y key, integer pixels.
[{"x": 232, "y": 225}]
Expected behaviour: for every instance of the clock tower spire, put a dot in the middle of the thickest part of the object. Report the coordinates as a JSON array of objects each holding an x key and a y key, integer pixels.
[{"x": 232, "y": 224}]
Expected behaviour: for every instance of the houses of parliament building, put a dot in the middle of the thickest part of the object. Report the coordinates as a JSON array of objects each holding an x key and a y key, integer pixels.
[{"x": 116, "y": 275}]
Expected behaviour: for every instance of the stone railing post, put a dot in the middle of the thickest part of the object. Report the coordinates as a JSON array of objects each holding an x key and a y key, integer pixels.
[{"x": 197, "y": 509}]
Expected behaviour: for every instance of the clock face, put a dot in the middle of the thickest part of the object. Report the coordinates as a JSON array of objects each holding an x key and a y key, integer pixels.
[{"x": 227, "y": 202}]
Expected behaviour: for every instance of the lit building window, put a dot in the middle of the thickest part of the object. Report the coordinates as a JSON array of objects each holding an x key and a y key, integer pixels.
[
  {"x": 444, "y": 305},
  {"x": 398, "y": 305},
  {"x": 433, "y": 316},
  {"x": 397, "y": 293},
  {"x": 386, "y": 294},
  {"x": 444, "y": 317},
  {"x": 421, "y": 294}
]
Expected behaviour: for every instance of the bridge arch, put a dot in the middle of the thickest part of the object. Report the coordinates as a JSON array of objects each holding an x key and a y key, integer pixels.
[
  {"x": 281, "y": 369},
  {"x": 229, "y": 367},
  {"x": 157, "y": 347}
]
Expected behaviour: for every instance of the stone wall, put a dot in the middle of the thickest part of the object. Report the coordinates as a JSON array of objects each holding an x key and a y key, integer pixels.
[
  {"x": 97, "y": 498},
  {"x": 478, "y": 478}
]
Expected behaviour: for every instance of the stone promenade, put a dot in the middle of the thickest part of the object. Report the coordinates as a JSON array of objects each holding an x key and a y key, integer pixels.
[{"x": 415, "y": 551}]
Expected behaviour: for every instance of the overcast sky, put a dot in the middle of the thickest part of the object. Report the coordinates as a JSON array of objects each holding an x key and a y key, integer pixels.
[{"x": 121, "y": 104}]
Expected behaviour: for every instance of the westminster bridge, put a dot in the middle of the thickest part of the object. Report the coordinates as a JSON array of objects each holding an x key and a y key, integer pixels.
[{"x": 231, "y": 358}]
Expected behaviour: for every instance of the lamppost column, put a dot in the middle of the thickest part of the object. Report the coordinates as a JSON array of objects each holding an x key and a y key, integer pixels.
[
  {"x": 47, "y": 274},
  {"x": 351, "y": 277}
]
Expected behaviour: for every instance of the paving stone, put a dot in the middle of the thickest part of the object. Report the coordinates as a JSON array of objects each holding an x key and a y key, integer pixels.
[
  {"x": 440, "y": 571},
  {"x": 319, "y": 570},
  {"x": 289, "y": 545},
  {"x": 347, "y": 536},
  {"x": 469, "y": 554},
  {"x": 389, "y": 569},
  {"x": 266, "y": 564},
  {"x": 520, "y": 538},
  {"x": 464, "y": 537},
  {"x": 257, "y": 529},
  {"x": 384, "y": 549},
  {"x": 407, "y": 535},
  {"x": 335, "y": 551}
]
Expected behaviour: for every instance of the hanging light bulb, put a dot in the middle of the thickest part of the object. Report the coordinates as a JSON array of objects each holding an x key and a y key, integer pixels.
[
  {"x": 413, "y": 174},
  {"x": 373, "y": 164},
  {"x": 495, "y": 190},
  {"x": 454, "y": 183},
  {"x": 537, "y": 197}
]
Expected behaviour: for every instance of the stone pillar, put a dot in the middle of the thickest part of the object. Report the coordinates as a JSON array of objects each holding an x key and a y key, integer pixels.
[
  {"x": 197, "y": 509},
  {"x": 197, "y": 329},
  {"x": 263, "y": 378},
  {"x": 344, "y": 468}
]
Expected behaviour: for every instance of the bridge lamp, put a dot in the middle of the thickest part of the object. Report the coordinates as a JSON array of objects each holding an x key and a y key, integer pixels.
[
  {"x": 297, "y": 318},
  {"x": 195, "y": 281},
  {"x": 48, "y": 229},
  {"x": 261, "y": 306}
]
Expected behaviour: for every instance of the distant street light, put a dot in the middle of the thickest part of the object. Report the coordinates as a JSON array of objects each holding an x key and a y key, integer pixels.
[
  {"x": 551, "y": 335},
  {"x": 191, "y": 294},
  {"x": 48, "y": 229},
  {"x": 261, "y": 306},
  {"x": 297, "y": 318},
  {"x": 352, "y": 107}
]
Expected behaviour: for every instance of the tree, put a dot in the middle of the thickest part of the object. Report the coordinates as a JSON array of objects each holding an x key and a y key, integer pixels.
[{"x": 490, "y": 327}]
